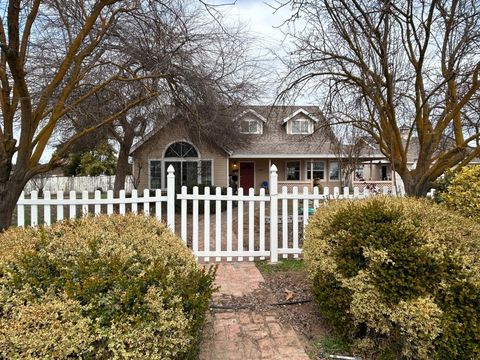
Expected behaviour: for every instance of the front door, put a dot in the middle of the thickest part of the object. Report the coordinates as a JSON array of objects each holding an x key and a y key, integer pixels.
[{"x": 247, "y": 175}]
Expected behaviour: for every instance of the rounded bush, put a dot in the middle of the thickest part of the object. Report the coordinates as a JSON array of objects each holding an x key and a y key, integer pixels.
[
  {"x": 462, "y": 193},
  {"x": 101, "y": 287},
  {"x": 398, "y": 277}
]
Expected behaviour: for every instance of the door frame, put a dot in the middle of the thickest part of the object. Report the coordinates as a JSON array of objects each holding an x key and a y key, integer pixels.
[{"x": 240, "y": 174}]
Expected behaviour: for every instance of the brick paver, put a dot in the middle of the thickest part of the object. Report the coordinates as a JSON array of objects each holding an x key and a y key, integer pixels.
[{"x": 246, "y": 334}]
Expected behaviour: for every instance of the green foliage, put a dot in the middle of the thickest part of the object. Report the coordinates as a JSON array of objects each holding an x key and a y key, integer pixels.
[
  {"x": 103, "y": 287},
  {"x": 397, "y": 277},
  {"x": 462, "y": 192},
  {"x": 100, "y": 161},
  {"x": 72, "y": 166}
]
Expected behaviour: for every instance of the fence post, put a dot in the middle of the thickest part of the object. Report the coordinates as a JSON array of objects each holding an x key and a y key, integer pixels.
[
  {"x": 273, "y": 214},
  {"x": 171, "y": 198}
]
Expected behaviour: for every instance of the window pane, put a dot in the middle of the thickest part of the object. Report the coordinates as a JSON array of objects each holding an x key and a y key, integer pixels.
[
  {"x": 206, "y": 172},
  {"x": 155, "y": 174},
  {"x": 245, "y": 126},
  {"x": 181, "y": 149},
  {"x": 190, "y": 173},
  {"x": 300, "y": 126},
  {"x": 253, "y": 127},
  {"x": 318, "y": 170},
  {"x": 293, "y": 170},
  {"x": 334, "y": 170}
]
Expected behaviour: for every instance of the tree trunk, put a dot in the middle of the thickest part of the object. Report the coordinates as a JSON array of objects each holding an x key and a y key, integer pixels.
[
  {"x": 122, "y": 166},
  {"x": 415, "y": 187},
  {"x": 9, "y": 194}
]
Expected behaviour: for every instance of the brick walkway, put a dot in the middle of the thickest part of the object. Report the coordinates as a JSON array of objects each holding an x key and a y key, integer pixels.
[{"x": 246, "y": 334}]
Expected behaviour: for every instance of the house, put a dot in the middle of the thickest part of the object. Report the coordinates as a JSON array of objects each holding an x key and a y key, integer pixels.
[{"x": 297, "y": 139}]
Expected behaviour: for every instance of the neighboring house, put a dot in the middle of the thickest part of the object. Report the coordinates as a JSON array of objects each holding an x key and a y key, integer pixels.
[{"x": 297, "y": 139}]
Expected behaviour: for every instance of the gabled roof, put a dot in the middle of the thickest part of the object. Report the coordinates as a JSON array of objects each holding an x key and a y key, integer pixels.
[
  {"x": 300, "y": 111},
  {"x": 249, "y": 111}
]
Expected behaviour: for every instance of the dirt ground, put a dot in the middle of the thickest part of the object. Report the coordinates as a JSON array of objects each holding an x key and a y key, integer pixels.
[{"x": 285, "y": 287}]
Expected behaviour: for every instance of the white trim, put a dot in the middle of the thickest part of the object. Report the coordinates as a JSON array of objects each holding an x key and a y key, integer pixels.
[
  {"x": 181, "y": 140},
  {"x": 254, "y": 174},
  {"x": 300, "y": 111},
  {"x": 251, "y": 111},
  {"x": 295, "y": 156}
]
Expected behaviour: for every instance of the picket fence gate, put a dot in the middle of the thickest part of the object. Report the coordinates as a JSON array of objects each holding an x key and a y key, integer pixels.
[{"x": 244, "y": 227}]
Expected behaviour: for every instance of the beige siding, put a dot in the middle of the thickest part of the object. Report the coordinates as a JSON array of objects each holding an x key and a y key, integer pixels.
[{"x": 155, "y": 147}]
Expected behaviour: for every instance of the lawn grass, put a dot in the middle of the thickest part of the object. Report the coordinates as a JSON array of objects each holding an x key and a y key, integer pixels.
[
  {"x": 283, "y": 265},
  {"x": 332, "y": 345}
]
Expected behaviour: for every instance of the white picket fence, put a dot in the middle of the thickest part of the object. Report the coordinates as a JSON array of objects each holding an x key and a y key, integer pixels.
[{"x": 242, "y": 226}]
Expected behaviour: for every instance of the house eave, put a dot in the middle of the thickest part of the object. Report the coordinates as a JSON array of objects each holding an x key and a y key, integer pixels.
[{"x": 296, "y": 156}]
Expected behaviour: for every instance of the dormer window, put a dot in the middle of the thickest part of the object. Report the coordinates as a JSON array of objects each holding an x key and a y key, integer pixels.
[
  {"x": 301, "y": 126},
  {"x": 250, "y": 126}
]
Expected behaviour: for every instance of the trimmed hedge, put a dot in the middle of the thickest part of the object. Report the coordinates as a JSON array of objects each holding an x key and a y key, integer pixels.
[
  {"x": 462, "y": 192},
  {"x": 103, "y": 287},
  {"x": 397, "y": 277}
]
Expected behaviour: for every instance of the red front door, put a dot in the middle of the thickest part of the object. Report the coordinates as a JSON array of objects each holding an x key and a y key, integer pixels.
[{"x": 247, "y": 175}]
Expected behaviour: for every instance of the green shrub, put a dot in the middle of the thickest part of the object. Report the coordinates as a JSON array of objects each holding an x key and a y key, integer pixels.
[
  {"x": 462, "y": 192},
  {"x": 103, "y": 287},
  {"x": 398, "y": 277}
]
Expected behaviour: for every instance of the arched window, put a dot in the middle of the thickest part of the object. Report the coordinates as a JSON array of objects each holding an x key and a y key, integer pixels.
[
  {"x": 181, "y": 149},
  {"x": 190, "y": 169}
]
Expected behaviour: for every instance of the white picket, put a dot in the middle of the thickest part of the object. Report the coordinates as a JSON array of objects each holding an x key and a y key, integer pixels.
[
  {"x": 183, "y": 211},
  {"x": 218, "y": 222},
  {"x": 305, "y": 207},
  {"x": 34, "y": 209},
  {"x": 240, "y": 223},
  {"x": 146, "y": 202},
  {"x": 285, "y": 220},
  {"x": 98, "y": 207},
  {"x": 158, "y": 204},
  {"x": 47, "y": 220},
  {"x": 110, "y": 202},
  {"x": 262, "y": 223},
  {"x": 229, "y": 224},
  {"x": 121, "y": 208},
  {"x": 336, "y": 192},
  {"x": 295, "y": 217},
  {"x": 206, "y": 224},
  {"x": 251, "y": 222},
  {"x": 134, "y": 201},
  {"x": 346, "y": 192},
  {"x": 316, "y": 193},
  {"x": 21, "y": 210},
  {"x": 85, "y": 203},
  {"x": 195, "y": 221},
  {"x": 60, "y": 203},
  {"x": 72, "y": 211}
]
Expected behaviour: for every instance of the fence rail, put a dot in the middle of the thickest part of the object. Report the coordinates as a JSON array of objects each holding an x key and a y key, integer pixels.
[{"x": 240, "y": 226}]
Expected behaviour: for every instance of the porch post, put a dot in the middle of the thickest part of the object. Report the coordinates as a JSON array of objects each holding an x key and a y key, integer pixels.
[
  {"x": 171, "y": 198},
  {"x": 273, "y": 214}
]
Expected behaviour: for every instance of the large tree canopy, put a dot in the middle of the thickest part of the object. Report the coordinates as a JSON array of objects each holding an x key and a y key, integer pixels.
[
  {"x": 59, "y": 57},
  {"x": 379, "y": 65}
]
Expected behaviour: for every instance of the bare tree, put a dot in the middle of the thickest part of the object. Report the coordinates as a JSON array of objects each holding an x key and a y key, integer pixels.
[
  {"x": 382, "y": 64},
  {"x": 55, "y": 56},
  {"x": 350, "y": 146}
]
